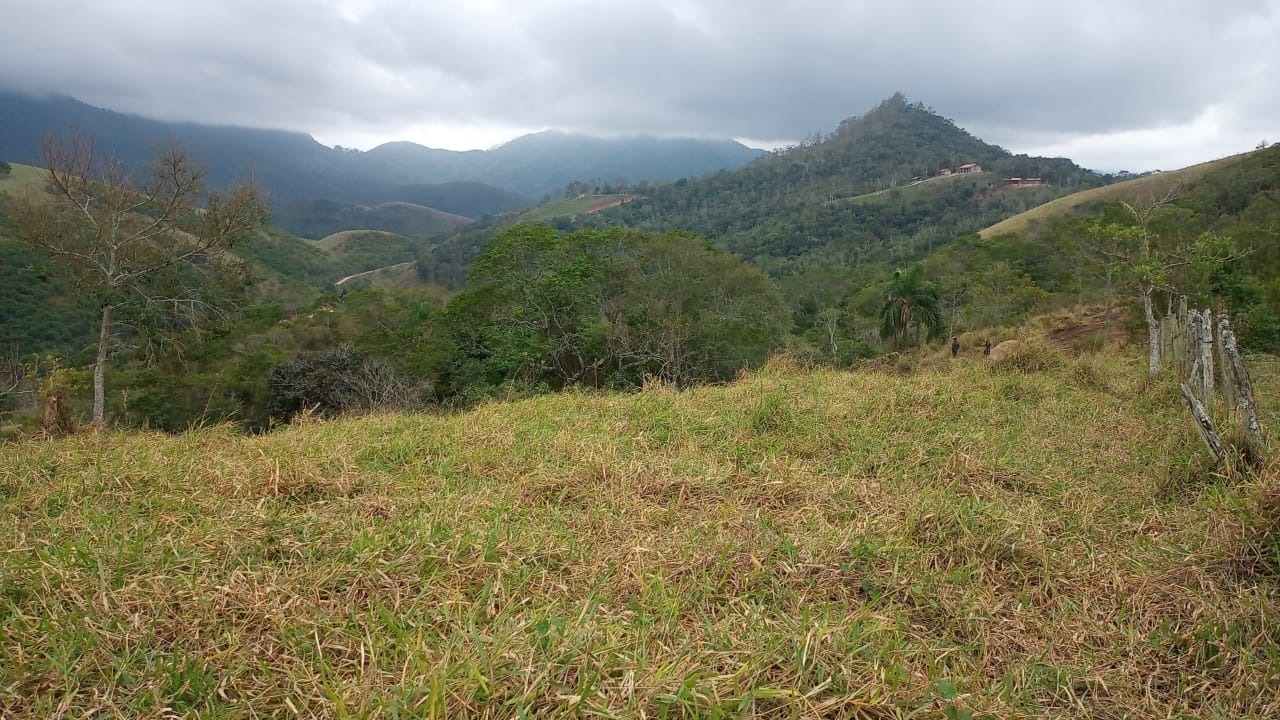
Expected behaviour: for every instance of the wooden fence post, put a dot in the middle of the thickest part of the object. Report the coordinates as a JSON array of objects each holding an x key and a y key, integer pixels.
[
  {"x": 1224, "y": 367},
  {"x": 1204, "y": 347},
  {"x": 1243, "y": 392},
  {"x": 1204, "y": 425}
]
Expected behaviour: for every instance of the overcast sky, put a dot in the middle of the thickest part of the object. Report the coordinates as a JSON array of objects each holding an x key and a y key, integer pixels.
[{"x": 1112, "y": 84}]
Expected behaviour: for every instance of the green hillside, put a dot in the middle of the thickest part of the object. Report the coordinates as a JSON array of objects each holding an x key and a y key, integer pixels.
[
  {"x": 1155, "y": 184},
  {"x": 37, "y": 312},
  {"x": 791, "y": 211},
  {"x": 1234, "y": 200},
  {"x": 965, "y": 542},
  {"x": 785, "y": 211},
  {"x": 402, "y": 218},
  {"x": 573, "y": 207}
]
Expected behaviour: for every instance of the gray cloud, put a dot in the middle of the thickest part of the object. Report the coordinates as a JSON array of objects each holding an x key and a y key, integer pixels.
[{"x": 1030, "y": 76}]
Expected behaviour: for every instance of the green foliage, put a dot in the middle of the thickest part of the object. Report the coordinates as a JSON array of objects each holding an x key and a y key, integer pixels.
[
  {"x": 848, "y": 199},
  {"x": 605, "y": 308},
  {"x": 5, "y": 169},
  {"x": 220, "y": 373},
  {"x": 910, "y": 302}
]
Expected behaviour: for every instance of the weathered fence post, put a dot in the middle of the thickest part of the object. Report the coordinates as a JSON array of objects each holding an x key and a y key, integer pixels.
[
  {"x": 1205, "y": 351},
  {"x": 1186, "y": 366},
  {"x": 1183, "y": 330},
  {"x": 1243, "y": 392},
  {"x": 1224, "y": 367},
  {"x": 1204, "y": 425}
]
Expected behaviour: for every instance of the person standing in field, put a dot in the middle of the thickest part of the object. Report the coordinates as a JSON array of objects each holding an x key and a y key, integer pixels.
[
  {"x": 955, "y": 346},
  {"x": 986, "y": 350}
]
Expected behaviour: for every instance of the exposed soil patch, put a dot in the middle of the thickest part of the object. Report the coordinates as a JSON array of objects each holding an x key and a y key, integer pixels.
[
  {"x": 606, "y": 204},
  {"x": 1095, "y": 324}
]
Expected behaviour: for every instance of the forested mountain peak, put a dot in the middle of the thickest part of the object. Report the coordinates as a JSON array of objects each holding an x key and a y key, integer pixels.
[
  {"x": 882, "y": 186},
  {"x": 896, "y": 140}
]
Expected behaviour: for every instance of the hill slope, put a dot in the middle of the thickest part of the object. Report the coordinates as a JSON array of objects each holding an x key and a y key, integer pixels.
[
  {"x": 784, "y": 211},
  {"x": 1154, "y": 184},
  {"x": 849, "y": 200},
  {"x": 38, "y": 314},
  {"x": 965, "y": 543}
]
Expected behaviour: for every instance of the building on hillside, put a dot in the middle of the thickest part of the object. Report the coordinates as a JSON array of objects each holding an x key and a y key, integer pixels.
[
  {"x": 967, "y": 168},
  {"x": 944, "y": 171},
  {"x": 1024, "y": 182}
]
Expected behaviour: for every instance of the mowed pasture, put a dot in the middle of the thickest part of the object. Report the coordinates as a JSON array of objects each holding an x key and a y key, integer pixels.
[{"x": 1040, "y": 539}]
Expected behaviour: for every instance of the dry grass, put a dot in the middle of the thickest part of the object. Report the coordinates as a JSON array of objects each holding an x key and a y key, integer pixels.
[
  {"x": 1154, "y": 185},
  {"x": 962, "y": 542}
]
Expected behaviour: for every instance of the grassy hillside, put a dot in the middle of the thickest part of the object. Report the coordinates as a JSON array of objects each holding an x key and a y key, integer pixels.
[
  {"x": 1156, "y": 184},
  {"x": 965, "y": 542},
  {"x": 401, "y": 276},
  {"x": 572, "y": 207}
]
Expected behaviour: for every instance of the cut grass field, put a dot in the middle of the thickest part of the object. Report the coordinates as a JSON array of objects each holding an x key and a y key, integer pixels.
[
  {"x": 571, "y": 207},
  {"x": 1155, "y": 185},
  {"x": 23, "y": 179},
  {"x": 959, "y": 542}
]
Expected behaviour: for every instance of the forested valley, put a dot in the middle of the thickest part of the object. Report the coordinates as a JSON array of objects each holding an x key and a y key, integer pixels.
[{"x": 865, "y": 241}]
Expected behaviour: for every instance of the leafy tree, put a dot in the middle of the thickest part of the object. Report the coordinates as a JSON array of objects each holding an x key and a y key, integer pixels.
[
  {"x": 1150, "y": 257},
  {"x": 910, "y": 301},
  {"x": 605, "y": 308},
  {"x": 4, "y": 169},
  {"x": 146, "y": 252}
]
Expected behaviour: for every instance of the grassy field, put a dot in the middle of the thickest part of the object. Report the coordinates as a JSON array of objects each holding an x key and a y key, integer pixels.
[
  {"x": 1154, "y": 185},
  {"x": 570, "y": 207},
  {"x": 1039, "y": 540},
  {"x": 337, "y": 244},
  {"x": 23, "y": 179}
]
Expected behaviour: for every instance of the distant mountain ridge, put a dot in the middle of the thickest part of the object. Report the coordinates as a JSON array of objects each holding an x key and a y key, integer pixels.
[{"x": 293, "y": 166}]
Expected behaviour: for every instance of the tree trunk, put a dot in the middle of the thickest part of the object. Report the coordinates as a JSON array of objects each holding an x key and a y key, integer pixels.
[
  {"x": 1153, "y": 333},
  {"x": 1106, "y": 319},
  {"x": 100, "y": 369}
]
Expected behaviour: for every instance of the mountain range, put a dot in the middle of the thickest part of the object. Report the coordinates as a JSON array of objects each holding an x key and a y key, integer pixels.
[{"x": 297, "y": 170}]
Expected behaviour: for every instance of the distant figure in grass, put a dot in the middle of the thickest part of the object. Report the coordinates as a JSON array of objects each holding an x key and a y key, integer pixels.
[
  {"x": 955, "y": 346},
  {"x": 986, "y": 350}
]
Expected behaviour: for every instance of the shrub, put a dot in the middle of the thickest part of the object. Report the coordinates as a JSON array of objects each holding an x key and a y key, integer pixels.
[
  {"x": 1033, "y": 355},
  {"x": 331, "y": 382}
]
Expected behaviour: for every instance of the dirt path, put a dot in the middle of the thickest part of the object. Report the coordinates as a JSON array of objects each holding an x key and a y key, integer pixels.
[
  {"x": 368, "y": 272},
  {"x": 1093, "y": 324}
]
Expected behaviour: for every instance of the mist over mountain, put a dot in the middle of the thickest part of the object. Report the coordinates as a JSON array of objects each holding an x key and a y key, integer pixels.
[{"x": 293, "y": 166}]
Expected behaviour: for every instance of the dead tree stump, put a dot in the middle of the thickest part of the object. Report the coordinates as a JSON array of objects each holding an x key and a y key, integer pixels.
[{"x": 56, "y": 419}]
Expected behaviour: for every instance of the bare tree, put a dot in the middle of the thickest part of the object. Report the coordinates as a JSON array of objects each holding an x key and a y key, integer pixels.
[{"x": 158, "y": 245}]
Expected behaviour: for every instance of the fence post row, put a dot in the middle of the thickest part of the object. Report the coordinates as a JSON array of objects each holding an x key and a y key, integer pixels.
[{"x": 1189, "y": 340}]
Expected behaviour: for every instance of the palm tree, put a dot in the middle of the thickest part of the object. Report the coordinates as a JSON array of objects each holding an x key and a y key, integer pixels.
[{"x": 910, "y": 300}]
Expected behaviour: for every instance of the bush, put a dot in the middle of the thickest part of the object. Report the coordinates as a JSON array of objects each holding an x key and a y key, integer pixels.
[
  {"x": 1033, "y": 355},
  {"x": 332, "y": 382}
]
